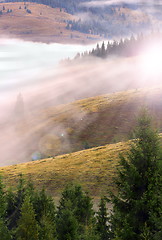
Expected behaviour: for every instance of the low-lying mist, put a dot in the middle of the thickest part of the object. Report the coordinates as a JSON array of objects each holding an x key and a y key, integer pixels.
[{"x": 33, "y": 82}]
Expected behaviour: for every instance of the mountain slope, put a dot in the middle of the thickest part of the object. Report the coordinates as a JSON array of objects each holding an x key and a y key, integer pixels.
[
  {"x": 110, "y": 19},
  {"x": 93, "y": 168},
  {"x": 38, "y": 22},
  {"x": 92, "y": 122}
]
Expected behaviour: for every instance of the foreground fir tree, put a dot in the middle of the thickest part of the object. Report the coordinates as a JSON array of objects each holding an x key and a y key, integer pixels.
[
  {"x": 3, "y": 204},
  {"x": 67, "y": 225},
  {"x": 47, "y": 228},
  {"x": 137, "y": 207},
  {"x": 4, "y": 232},
  {"x": 27, "y": 225},
  {"x": 102, "y": 220},
  {"x": 75, "y": 214},
  {"x": 45, "y": 215}
]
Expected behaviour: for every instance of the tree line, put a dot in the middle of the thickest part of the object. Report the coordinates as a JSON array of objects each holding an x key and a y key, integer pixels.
[
  {"x": 136, "y": 213},
  {"x": 71, "y": 6},
  {"x": 127, "y": 47}
]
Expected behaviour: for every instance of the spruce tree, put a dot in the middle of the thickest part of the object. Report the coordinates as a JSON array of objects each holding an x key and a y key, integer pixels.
[
  {"x": 4, "y": 232},
  {"x": 102, "y": 220},
  {"x": 27, "y": 228},
  {"x": 137, "y": 206},
  {"x": 45, "y": 215},
  {"x": 77, "y": 207},
  {"x": 78, "y": 202},
  {"x": 3, "y": 204},
  {"x": 67, "y": 225},
  {"x": 90, "y": 234},
  {"x": 46, "y": 229}
]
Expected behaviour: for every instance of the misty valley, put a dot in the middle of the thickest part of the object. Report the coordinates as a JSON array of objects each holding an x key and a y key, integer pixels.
[
  {"x": 81, "y": 120},
  {"x": 43, "y": 114}
]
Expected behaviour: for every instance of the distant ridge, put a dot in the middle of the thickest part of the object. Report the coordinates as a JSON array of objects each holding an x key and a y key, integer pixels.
[{"x": 40, "y": 23}]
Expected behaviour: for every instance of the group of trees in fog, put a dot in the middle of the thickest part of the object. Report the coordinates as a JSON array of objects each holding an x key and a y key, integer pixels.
[
  {"x": 127, "y": 47},
  {"x": 100, "y": 24},
  {"x": 29, "y": 214},
  {"x": 70, "y": 6},
  {"x": 4, "y": 10}
]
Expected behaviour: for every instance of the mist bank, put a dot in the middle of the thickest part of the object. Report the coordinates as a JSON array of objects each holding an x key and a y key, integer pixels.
[{"x": 34, "y": 71}]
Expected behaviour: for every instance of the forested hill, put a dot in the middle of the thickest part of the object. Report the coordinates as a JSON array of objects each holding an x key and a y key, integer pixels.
[
  {"x": 39, "y": 23},
  {"x": 107, "y": 20},
  {"x": 71, "y": 6}
]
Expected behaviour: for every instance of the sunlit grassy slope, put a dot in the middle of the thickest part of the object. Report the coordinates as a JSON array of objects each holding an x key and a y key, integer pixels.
[
  {"x": 96, "y": 121},
  {"x": 43, "y": 24},
  {"x": 92, "y": 122},
  {"x": 94, "y": 169}
]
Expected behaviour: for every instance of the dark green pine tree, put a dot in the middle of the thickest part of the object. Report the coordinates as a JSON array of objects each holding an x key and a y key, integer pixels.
[
  {"x": 46, "y": 228},
  {"x": 67, "y": 225},
  {"x": 90, "y": 234},
  {"x": 138, "y": 208},
  {"x": 3, "y": 204},
  {"x": 4, "y": 232},
  {"x": 45, "y": 215},
  {"x": 102, "y": 226},
  {"x": 27, "y": 228},
  {"x": 79, "y": 202},
  {"x": 77, "y": 206}
]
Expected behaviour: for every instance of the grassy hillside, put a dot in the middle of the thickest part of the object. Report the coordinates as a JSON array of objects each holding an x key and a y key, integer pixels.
[
  {"x": 40, "y": 23},
  {"x": 72, "y": 127},
  {"x": 90, "y": 122},
  {"x": 94, "y": 169}
]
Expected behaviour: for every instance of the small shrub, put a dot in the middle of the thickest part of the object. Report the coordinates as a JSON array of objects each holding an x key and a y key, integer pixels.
[{"x": 28, "y": 11}]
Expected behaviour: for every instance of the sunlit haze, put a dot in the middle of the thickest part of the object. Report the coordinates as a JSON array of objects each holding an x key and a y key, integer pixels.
[
  {"x": 33, "y": 73},
  {"x": 151, "y": 60}
]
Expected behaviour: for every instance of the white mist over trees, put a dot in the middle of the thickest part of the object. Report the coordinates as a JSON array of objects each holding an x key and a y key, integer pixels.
[{"x": 44, "y": 87}]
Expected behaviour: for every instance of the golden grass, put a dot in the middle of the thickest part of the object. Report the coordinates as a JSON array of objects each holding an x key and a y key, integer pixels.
[
  {"x": 44, "y": 24},
  {"x": 94, "y": 169},
  {"x": 91, "y": 122},
  {"x": 103, "y": 119}
]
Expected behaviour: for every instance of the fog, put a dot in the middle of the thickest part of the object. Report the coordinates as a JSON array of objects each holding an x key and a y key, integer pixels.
[
  {"x": 33, "y": 81},
  {"x": 102, "y": 3}
]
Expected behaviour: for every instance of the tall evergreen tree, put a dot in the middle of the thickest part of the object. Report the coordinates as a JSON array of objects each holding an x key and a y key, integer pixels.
[
  {"x": 4, "y": 232},
  {"x": 46, "y": 228},
  {"x": 138, "y": 206},
  {"x": 78, "y": 205},
  {"x": 79, "y": 202},
  {"x": 102, "y": 220},
  {"x": 67, "y": 225},
  {"x": 45, "y": 215},
  {"x": 2, "y": 200},
  {"x": 27, "y": 228}
]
